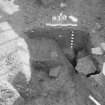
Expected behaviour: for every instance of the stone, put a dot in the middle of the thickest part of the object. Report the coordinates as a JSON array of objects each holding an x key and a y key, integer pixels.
[
  {"x": 54, "y": 72},
  {"x": 97, "y": 51},
  {"x": 85, "y": 65},
  {"x": 9, "y": 7},
  {"x": 102, "y": 45}
]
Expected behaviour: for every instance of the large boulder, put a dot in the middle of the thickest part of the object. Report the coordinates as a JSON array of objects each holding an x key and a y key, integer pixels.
[{"x": 85, "y": 65}]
